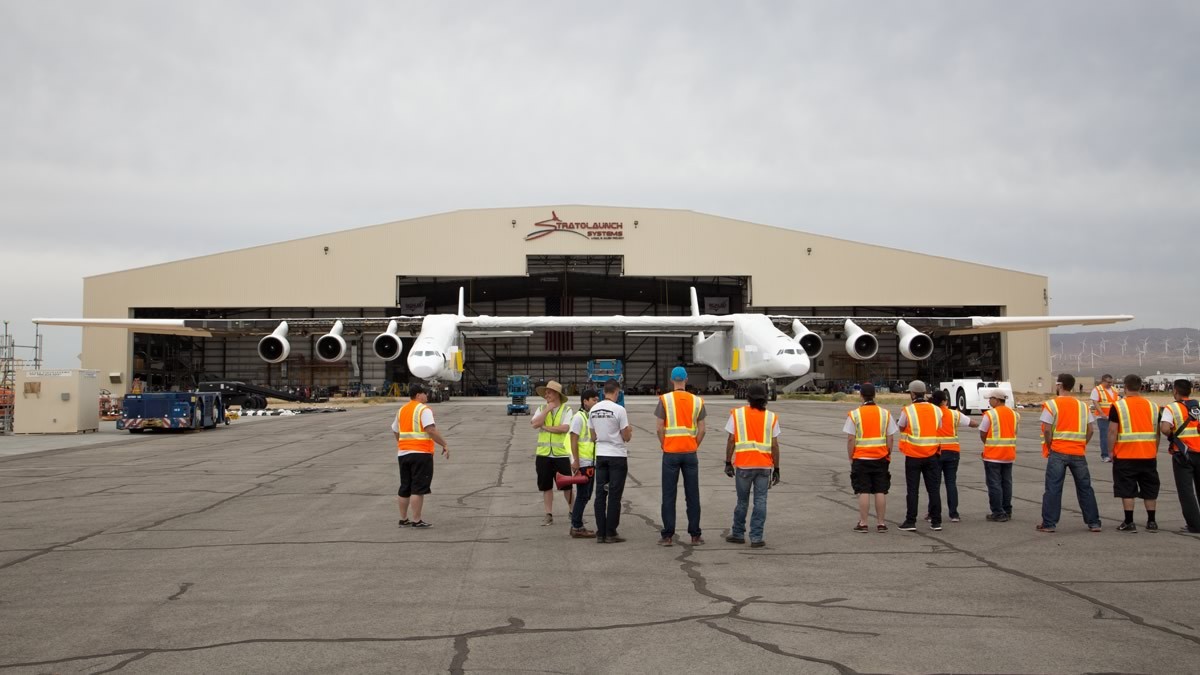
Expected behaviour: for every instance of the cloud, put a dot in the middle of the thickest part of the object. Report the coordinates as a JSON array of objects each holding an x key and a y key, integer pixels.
[{"x": 1055, "y": 138}]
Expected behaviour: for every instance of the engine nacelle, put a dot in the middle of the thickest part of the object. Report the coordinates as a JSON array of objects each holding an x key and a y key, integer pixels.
[
  {"x": 808, "y": 340},
  {"x": 387, "y": 344},
  {"x": 275, "y": 347},
  {"x": 914, "y": 344},
  {"x": 332, "y": 346},
  {"x": 859, "y": 343}
]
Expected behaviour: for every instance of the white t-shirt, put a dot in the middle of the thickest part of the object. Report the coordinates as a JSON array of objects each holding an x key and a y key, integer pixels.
[
  {"x": 426, "y": 421},
  {"x": 1168, "y": 416},
  {"x": 731, "y": 426},
  {"x": 985, "y": 423},
  {"x": 848, "y": 427},
  {"x": 607, "y": 419},
  {"x": 578, "y": 430}
]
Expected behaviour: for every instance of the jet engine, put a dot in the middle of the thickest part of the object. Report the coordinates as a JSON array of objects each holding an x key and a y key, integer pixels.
[
  {"x": 275, "y": 347},
  {"x": 810, "y": 341},
  {"x": 332, "y": 346},
  {"x": 859, "y": 343},
  {"x": 387, "y": 344},
  {"x": 914, "y": 344}
]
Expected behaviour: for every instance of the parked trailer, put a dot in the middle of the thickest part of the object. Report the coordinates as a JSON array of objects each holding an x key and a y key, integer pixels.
[
  {"x": 171, "y": 410},
  {"x": 249, "y": 396}
]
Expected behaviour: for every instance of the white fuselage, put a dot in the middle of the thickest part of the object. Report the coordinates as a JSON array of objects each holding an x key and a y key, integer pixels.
[
  {"x": 754, "y": 349},
  {"x": 432, "y": 356}
]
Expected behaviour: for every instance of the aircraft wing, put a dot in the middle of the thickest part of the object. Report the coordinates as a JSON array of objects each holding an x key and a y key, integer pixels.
[
  {"x": 233, "y": 327},
  {"x": 680, "y": 325},
  {"x": 951, "y": 325}
]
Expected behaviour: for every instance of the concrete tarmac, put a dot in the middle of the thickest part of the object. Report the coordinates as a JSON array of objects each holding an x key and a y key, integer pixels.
[{"x": 272, "y": 546}]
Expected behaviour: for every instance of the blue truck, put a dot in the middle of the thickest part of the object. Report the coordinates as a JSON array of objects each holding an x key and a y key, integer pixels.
[{"x": 172, "y": 410}]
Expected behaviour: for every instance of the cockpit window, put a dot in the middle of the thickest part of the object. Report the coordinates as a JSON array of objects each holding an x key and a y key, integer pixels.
[{"x": 787, "y": 351}]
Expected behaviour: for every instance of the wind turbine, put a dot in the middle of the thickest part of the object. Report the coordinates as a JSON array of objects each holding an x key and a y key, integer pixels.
[
  {"x": 1142, "y": 352},
  {"x": 1124, "y": 345},
  {"x": 1187, "y": 344},
  {"x": 1103, "y": 343},
  {"x": 1166, "y": 345},
  {"x": 1094, "y": 355}
]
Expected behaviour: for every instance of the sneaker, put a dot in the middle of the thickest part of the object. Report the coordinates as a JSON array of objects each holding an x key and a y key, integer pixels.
[
  {"x": 909, "y": 526},
  {"x": 757, "y": 544},
  {"x": 404, "y": 522},
  {"x": 994, "y": 517},
  {"x": 697, "y": 540},
  {"x": 735, "y": 540},
  {"x": 420, "y": 524},
  {"x": 582, "y": 533},
  {"x": 1107, "y": 460},
  {"x": 955, "y": 519},
  {"x": 601, "y": 540},
  {"x": 666, "y": 541},
  {"x": 1045, "y": 528},
  {"x": 1127, "y": 527},
  {"x": 615, "y": 539},
  {"x": 936, "y": 527},
  {"x": 1004, "y": 518},
  {"x": 1189, "y": 530},
  {"x": 881, "y": 528},
  {"x": 1151, "y": 526},
  {"x": 548, "y": 519},
  {"x": 1095, "y": 528},
  {"x": 861, "y": 527}
]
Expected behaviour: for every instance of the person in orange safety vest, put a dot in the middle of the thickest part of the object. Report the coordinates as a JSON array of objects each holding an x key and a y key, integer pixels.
[
  {"x": 1134, "y": 421},
  {"x": 1179, "y": 423},
  {"x": 752, "y": 457},
  {"x": 998, "y": 431},
  {"x": 681, "y": 429},
  {"x": 416, "y": 433},
  {"x": 1104, "y": 395},
  {"x": 1067, "y": 427},
  {"x": 950, "y": 449},
  {"x": 870, "y": 432},
  {"x": 919, "y": 423}
]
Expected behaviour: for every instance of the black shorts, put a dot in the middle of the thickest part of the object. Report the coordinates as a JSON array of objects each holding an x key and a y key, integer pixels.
[
  {"x": 548, "y": 466},
  {"x": 416, "y": 473},
  {"x": 1135, "y": 478},
  {"x": 870, "y": 476}
]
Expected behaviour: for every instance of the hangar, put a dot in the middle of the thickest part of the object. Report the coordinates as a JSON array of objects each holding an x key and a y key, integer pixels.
[{"x": 566, "y": 260}]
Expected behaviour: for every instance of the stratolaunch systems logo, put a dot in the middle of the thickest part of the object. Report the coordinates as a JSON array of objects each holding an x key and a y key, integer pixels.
[{"x": 587, "y": 230}]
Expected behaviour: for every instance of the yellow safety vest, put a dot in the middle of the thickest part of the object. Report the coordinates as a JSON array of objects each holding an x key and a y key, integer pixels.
[
  {"x": 587, "y": 445},
  {"x": 549, "y": 444}
]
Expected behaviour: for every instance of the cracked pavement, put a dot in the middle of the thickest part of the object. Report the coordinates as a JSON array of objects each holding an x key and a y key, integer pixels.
[{"x": 271, "y": 546}]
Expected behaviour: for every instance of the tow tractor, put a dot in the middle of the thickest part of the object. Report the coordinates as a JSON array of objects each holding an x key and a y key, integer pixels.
[
  {"x": 967, "y": 394},
  {"x": 518, "y": 390},
  {"x": 171, "y": 410}
]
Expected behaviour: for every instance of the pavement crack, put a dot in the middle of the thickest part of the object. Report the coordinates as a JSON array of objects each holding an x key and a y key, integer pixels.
[
  {"x": 776, "y": 649},
  {"x": 49, "y": 549},
  {"x": 286, "y": 543},
  {"x": 183, "y": 588}
]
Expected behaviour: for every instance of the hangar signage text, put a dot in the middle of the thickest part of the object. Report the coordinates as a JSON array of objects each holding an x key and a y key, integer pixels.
[{"x": 585, "y": 229}]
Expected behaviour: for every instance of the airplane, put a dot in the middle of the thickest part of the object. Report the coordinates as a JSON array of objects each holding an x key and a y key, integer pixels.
[{"x": 736, "y": 346}]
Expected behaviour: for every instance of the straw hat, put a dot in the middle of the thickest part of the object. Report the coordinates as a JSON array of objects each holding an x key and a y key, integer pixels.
[{"x": 554, "y": 386}]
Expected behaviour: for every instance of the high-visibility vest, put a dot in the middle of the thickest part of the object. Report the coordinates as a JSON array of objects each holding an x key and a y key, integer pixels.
[
  {"x": 412, "y": 435},
  {"x": 1070, "y": 425},
  {"x": 920, "y": 438},
  {"x": 551, "y": 444},
  {"x": 682, "y": 412},
  {"x": 870, "y": 432},
  {"x": 1107, "y": 397},
  {"x": 1001, "y": 442},
  {"x": 1139, "y": 429},
  {"x": 752, "y": 436},
  {"x": 1185, "y": 428},
  {"x": 587, "y": 446},
  {"x": 948, "y": 431}
]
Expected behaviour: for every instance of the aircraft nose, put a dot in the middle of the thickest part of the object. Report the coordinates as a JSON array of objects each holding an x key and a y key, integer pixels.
[
  {"x": 423, "y": 366},
  {"x": 799, "y": 366}
]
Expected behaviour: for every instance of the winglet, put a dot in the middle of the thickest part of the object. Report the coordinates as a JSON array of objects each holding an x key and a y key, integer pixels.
[
  {"x": 461, "y": 301},
  {"x": 695, "y": 303}
]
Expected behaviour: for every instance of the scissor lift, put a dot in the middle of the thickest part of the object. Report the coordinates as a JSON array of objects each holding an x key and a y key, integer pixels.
[{"x": 517, "y": 391}]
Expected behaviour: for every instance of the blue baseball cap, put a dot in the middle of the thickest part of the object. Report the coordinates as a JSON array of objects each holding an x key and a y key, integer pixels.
[{"x": 679, "y": 373}]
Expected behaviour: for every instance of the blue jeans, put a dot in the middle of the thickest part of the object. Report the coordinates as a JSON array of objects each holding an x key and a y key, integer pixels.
[
  {"x": 999, "y": 487},
  {"x": 1056, "y": 473},
  {"x": 610, "y": 485},
  {"x": 1102, "y": 427},
  {"x": 582, "y": 494},
  {"x": 672, "y": 464},
  {"x": 760, "y": 479},
  {"x": 950, "y": 480}
]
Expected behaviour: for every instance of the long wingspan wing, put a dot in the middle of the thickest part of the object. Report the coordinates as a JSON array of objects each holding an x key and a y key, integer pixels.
[
  {"x": 659, "y": 324},
  {"x": 220, "y": 327},
  {"x": 951, "y": 325}
]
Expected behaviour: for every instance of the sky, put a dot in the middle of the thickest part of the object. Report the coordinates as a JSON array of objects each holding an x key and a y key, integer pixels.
[{"x": 1056, "y": 138}]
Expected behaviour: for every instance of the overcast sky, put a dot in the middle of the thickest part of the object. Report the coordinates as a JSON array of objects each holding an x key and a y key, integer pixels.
[{"x": 1057, "y": 138}]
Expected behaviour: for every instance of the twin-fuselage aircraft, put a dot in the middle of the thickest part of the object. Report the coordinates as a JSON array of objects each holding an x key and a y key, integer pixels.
[{"x": 736, "y": 346}]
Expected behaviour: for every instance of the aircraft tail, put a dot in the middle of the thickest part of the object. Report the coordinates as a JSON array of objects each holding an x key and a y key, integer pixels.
[
  {"x": 696, "y": 312},
  {"x": 462, "y": 301}
]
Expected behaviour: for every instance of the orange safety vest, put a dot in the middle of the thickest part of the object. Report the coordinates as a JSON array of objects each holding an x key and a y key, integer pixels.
[
  {"x": 1108, "y": 396},
  {"x": 1070, "y": 426},
  {"x": 752, "y": 438},
  {"x": 1001, "y": 442},
  {"x": 682, "y": 412},
  {"x": 920, "y": 438},
  {"x": 870, "y": 432},
  {"x": 1139, "y": 429},
  {"x": 948, "y": 432},
  {"x": 412, "y": 433},
  {"x": 1185, "y": 428}
]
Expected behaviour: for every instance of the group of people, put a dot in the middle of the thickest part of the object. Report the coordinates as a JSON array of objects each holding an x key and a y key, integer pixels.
[
  {"x": 584, "y": 455},
  {"x": 1130, "y": 427}
]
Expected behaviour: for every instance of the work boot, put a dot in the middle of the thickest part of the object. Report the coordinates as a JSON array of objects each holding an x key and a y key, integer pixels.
[
  {"x": 697, "y": 540},
  {"x": 582, "y": 533},
  {"x": 666, "y": 541}
]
